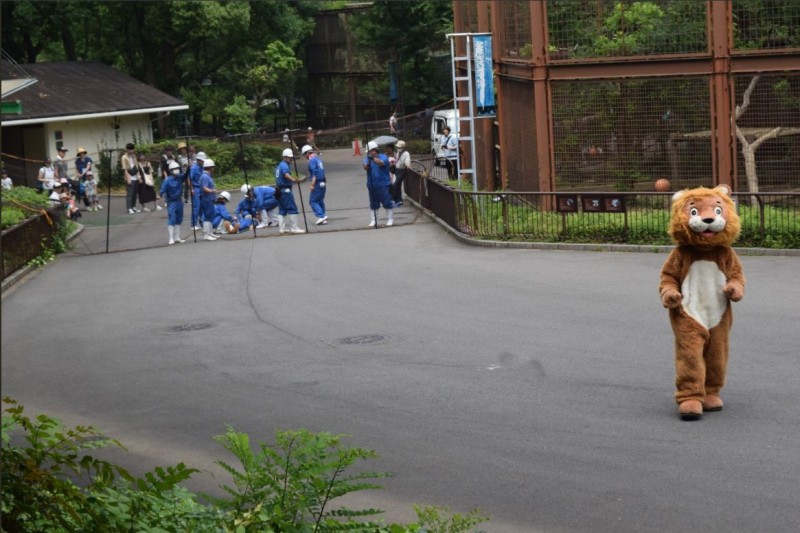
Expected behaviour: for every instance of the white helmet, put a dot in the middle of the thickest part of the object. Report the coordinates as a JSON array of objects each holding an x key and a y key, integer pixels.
[
  {"x": 372, "y": 145},
  {"x": 208, "y": 163},
  {"x": 307, "y": 148},
  {"x": 288, "y": 153},
  {"x": 173, "y": 165},
  {"x": 245, "y": 188},
  {"x": 226, "y": 195},
  {"x": 201, "y": 156}
]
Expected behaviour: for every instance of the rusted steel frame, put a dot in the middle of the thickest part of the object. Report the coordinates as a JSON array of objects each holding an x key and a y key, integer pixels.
[
  {"x": 495, "y": 22},
  {"x": 723, "y": 142},
  {"x": 543, "y": 106}
]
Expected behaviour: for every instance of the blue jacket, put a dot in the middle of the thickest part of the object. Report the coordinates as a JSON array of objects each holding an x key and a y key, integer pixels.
[
  {"x": 280, "y": 175},
  {"x": 379, "y": 174},
  {"x": 171, "y": 188}
]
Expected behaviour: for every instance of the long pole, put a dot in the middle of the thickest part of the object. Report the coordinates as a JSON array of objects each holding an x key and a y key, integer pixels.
[
  {"x": 108, "y": 202},
  {"x": 299, "y": 188},
  {"x": 246, "y": 181}
]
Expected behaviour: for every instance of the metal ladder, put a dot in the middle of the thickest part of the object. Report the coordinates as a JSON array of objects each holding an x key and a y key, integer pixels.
[{"x": 465, "y": 62}]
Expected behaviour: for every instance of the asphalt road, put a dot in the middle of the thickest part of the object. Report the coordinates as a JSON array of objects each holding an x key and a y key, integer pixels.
[{"x": 534, "y": 385}]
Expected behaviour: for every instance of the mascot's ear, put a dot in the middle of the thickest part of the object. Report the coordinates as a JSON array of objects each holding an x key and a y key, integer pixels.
[
  {"x": 723, "y": 189},
  {"x": 677, "y": 195}
]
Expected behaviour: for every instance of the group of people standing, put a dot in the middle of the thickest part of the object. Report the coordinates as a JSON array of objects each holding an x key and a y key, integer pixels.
[
  {"x": 56, "y": 178},
  {"x": 385, "y": 175}
]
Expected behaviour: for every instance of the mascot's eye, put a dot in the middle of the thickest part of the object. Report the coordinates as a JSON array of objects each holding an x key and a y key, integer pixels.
[
  {"x": 693, "y": 212},
  {"x": 718, "y": 210}
]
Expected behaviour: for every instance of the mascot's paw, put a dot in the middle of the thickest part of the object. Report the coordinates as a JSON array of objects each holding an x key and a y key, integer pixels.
[
  {"x": 733, "y": 290},
  {"x": 690, "y": 410},
  {"x": 671, "y": 299},
  {"x": 712, "y": 403}
]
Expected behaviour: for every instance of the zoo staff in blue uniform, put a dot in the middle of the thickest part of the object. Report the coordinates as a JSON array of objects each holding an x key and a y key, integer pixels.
[
  {"x": 171, "y": 191},
  {"x": 266, "y": 204},
  {"x": 287, "y": 208},
  {"x": 221, "y": 212},
  {"x": 378, "y": 183},
  {"x": 247, "y": 205},
  {"x": 208, "y": 193},
  {"x": 316, "y": 171},
  {"x": 195, "y": 172}
]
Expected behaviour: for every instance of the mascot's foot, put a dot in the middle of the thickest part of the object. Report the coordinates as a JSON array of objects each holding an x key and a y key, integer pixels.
[
  {"x": 712, "y": 403},
  {"x": 690, "y": 410}
]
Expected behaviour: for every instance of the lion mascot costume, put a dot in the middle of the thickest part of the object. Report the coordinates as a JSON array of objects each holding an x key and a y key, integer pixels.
[{"x": 699, "y": 280}]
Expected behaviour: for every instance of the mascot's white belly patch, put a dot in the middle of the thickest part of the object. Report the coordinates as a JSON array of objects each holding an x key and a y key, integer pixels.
[{"x": 703, "y": 299}]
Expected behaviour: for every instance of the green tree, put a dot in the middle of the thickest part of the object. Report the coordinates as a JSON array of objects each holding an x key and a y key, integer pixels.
[{"x": 413, "y": 33}]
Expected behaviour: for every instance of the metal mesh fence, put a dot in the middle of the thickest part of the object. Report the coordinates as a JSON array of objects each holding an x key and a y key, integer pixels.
[
  {"x": 612, "y": 28},
  {"x": 625, "y": 135},
  {"x": 768, "y": 132},
  {"x": 519, "y": 119},
  {"x": 467, "y": 13},
  {"x": 772, "y": 24},
  {"x": 515, "y": 37}
]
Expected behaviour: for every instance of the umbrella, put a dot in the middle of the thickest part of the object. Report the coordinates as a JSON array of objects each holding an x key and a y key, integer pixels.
[{"x": 384, "y": 139}]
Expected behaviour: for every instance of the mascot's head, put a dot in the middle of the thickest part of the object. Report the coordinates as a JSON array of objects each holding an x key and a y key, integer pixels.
[{"x": 704, "y": 217}]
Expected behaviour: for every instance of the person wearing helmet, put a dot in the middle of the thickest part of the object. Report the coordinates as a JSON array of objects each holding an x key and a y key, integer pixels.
[
  {"x": 247, "y": 205},
  {"x": 195, "y": 173},
  {"x": 171, "y": 192},
  {"x": 208, "y": 193},
  {"x": 316, "y": 171},
  {"x": 378, "y": 183},
  {"x": 223, "y": 221},
  {"x": 287, "y": 208},
  {"x": 266, "y": 205}
]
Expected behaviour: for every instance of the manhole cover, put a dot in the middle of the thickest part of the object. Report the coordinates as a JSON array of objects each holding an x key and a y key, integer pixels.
[
  {"x": 192, "y": 327},
  {"x": 364, "y": 339}
]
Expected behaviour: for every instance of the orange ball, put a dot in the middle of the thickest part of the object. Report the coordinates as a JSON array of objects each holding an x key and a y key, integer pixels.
[{"x": 663, "y": 185}]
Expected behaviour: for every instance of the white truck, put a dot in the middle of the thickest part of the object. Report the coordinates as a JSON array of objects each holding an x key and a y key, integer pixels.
[{"x": 442, "y": 118}]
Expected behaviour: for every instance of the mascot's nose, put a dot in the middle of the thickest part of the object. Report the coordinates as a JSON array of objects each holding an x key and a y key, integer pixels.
[{"x": 708, "y": 220}]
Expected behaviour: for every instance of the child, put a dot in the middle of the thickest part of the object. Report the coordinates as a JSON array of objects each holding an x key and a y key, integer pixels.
[
  {"x": 90, "y": 189},
  {"x": 68, "y": 201}
]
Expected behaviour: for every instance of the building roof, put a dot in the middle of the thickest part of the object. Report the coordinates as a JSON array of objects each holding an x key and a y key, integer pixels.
[{"x": 77, "y": 90}]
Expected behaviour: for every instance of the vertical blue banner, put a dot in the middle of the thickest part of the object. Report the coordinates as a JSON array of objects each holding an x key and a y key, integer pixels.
[
  {"x": 484, "y": 75},
  {"x": 393, "y": 81}
]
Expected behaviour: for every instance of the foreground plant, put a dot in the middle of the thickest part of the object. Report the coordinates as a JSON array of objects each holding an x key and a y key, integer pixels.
[{"x": 51, "y": 483}]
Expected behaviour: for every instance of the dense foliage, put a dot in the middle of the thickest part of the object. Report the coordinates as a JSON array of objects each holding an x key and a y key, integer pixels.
[{"x": 51, "y": 482}]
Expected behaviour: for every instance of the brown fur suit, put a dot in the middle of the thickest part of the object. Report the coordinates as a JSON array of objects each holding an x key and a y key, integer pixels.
[{"x": 699, "y": 279}]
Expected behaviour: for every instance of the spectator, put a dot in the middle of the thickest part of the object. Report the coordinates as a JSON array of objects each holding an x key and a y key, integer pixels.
[
  {"x": 311, "y": 138},
  {"x": 450, "y": 149},
  {"x": 68, "y": 201},
  {"x": 378, "y": 182},
  {"x": 393, "y": 123},
  {"x": 130, "y": 169},
  {"x": 171, "y": 192},
  {"x": 316, "y": 172},
  {"x": 82, "y": 163},
  {"x": 62, "y": 165},
  {"x": 401, "y": 169},
  {"x": 6, "y": 182},
  {"x": 283, "y": 183},
  {"x": 208, "y": 194},
  {"x": 55, "y": 194},
  {"x": 147, "y": 185},
  {"x": 163, "y": 164},
  {"x": 90, "y": 190},
  {"x": 47, "y": 176}
]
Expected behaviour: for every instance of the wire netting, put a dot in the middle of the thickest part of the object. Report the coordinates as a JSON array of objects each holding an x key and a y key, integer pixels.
[
  {"x": 768, "y": 132},
  {"x": 624, "y": 135},
  {"x": 518, "y": 118},
  {"x": 611, "y": 28},
  {"x": 770, "y": 24},
  {"x": 515, "y": 35},
  {"x": 467, "y": 14}
]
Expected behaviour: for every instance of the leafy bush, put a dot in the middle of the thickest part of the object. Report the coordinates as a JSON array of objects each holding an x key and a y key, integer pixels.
[
  {"x": 50, "y": 483},
  {"x": 20, "y": 203}
]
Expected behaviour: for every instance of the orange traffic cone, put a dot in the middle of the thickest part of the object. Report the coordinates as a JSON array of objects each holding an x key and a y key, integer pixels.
[{"x": 356, "y": 147}]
